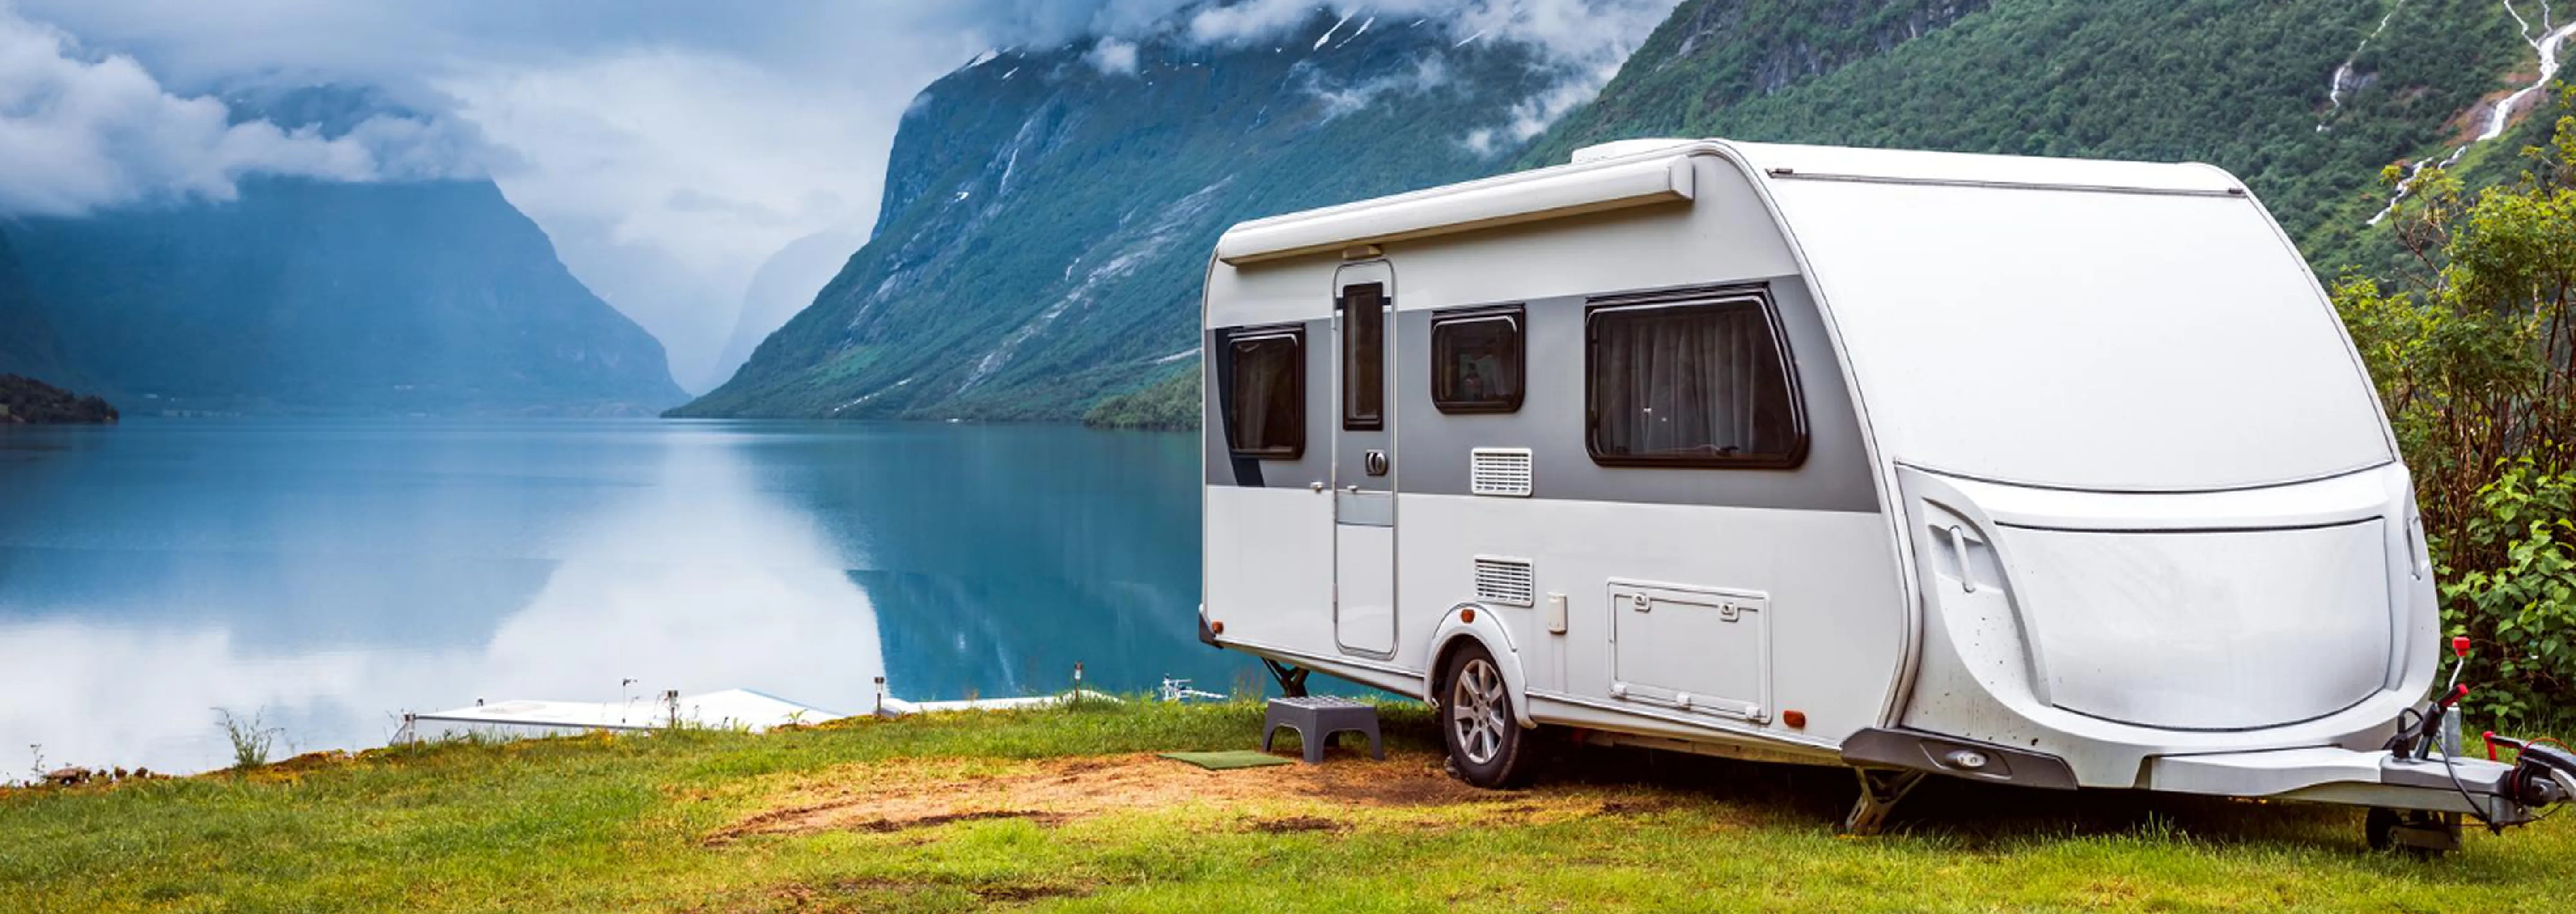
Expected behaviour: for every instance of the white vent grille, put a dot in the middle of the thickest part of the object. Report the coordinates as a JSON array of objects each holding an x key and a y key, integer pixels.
[
  {"x": 1506, "y": 582},
  {"x": 1500, "y": 471}
]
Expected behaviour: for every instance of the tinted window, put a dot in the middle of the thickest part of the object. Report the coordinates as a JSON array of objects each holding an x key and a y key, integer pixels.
[
  {"x": 1265, "y": 394},
  {"x": 1693, "y": 384},
  {"x": 1364, "y": 357},
  {"x": 1476, "y": 361}
]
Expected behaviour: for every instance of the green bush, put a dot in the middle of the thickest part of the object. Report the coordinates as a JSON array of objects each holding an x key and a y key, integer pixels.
[
  {"x": 2474, "y": 354},
  {"x": 2526, "y": 602}
]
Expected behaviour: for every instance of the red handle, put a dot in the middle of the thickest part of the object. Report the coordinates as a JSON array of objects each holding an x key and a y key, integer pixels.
[{"x": 2459, "y": 645}]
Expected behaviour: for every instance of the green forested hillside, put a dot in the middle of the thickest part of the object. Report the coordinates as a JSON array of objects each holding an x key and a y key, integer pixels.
[
  {"x": 27, "y": 401},
  {"x": 2249, "y": 85},
  {"x": 1171, "y": 403},
  {"x": 1046, "y": 223}
]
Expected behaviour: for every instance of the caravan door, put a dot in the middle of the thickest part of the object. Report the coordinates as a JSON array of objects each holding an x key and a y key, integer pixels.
[{"x": 1364, "y": 460}]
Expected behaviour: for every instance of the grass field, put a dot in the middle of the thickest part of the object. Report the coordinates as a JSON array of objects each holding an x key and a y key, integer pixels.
[{"x": 1062, "y": 809}]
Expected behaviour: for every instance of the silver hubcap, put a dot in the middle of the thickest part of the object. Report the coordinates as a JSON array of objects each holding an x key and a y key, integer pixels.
[{"x": 1477, "y": 711}]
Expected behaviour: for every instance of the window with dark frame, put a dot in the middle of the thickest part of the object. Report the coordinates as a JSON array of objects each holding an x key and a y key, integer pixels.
[
  {"x": 1364, "y": 357},
  {"x": 1691, "y": 384},
  {"x": 1477, "y": 360},
  {"x": 1265, "y": 396}
]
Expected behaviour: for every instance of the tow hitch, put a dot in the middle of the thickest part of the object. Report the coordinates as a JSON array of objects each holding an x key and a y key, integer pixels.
[{"x": 2543, "y": 774}]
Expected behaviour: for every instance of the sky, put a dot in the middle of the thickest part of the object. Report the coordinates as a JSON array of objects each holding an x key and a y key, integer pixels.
[{"x": 670, "y": 149}]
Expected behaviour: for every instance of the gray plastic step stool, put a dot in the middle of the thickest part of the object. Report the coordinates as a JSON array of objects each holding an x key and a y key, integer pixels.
[{"x": 1316, "y": 718}]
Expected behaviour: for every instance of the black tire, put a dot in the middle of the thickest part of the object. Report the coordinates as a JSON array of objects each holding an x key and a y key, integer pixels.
[
  {"x": 1487, "y": 747},
  {"x": 2377, "y": 826}
]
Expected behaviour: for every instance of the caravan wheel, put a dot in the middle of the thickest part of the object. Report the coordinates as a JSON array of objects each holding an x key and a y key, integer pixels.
[{"x": 1487, "y": 747}]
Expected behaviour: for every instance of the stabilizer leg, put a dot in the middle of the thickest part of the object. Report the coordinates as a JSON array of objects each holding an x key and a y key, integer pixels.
[
  {"x": 1292, "y": 680},
  {"x": 2423, "y": 835},
  {"x": 1880, "y": 790}
]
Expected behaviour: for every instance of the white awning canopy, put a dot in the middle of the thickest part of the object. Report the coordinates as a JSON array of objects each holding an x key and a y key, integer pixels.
[{"x": 1526, "y": 197}]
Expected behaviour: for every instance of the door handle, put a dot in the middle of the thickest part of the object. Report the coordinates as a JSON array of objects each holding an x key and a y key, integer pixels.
[
  {"x": 1374, "y": 462},
  {"x": 1317, "y": 486}
]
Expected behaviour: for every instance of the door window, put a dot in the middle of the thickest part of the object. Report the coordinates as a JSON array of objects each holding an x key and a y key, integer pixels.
[{"x": 1364, "y": 357}]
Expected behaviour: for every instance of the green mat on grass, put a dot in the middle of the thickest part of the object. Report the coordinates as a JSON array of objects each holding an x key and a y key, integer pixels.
[{"x": 1225, "y": 761}]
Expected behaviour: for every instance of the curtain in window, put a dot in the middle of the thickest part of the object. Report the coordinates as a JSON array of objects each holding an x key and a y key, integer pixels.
[{"x": 1689, "y": 382}]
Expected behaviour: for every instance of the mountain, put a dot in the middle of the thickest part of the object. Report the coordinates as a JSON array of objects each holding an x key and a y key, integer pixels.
[
  {"x": 1045, "y": 222},
  {"x": 28, "y": 345},
  {"x": 433, "y": 296},
  {"x": 784, "y": 285},
  {"x": 2307, "y": 100},
  {"x": 1048, "y": 212}
]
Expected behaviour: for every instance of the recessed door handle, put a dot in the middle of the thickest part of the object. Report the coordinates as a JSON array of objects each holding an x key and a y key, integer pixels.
[{"x": 1374, "y": 462}]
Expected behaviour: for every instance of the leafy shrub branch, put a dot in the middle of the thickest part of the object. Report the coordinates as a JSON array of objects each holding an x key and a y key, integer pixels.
[{"x": 2470, "y": 343}]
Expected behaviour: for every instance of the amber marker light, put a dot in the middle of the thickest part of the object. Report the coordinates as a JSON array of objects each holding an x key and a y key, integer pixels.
[
  {"x": 1216, "y": 628},
  {"x": 1466, "y": 615},
  {"x": 1795, "y": 719}
]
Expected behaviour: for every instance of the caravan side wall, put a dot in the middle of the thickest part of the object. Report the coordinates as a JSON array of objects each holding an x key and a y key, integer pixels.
[{"x": 1699, "y": 602}]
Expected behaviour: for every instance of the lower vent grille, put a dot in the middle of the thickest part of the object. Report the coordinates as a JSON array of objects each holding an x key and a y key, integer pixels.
[{"x": 1506, "y": 582}]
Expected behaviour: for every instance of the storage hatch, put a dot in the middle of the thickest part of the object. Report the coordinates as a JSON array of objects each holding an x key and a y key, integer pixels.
[{"x": 1694, "y": 649}]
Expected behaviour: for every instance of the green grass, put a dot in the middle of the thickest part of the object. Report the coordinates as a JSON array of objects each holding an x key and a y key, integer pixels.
[{"x": 641, "y": 823}]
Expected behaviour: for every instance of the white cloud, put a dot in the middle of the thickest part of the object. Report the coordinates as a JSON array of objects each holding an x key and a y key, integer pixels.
[
  {"x": 80, "y": 131},
  {"x": 1427, "y": 74},
  {"x": 1251, "y": 19},
  {"x": 1112, "y": 57}
]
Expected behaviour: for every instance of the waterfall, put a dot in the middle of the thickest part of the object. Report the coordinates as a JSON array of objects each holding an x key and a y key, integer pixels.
[
  {"x": 2342, "y": 78},
  {"x": 2546, "y": 46}
]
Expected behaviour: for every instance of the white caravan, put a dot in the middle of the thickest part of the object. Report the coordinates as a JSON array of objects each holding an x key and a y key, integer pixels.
[{"x": 2035, "y": 471}]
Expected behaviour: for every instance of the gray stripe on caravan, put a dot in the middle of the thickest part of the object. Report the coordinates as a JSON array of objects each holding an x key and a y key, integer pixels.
[
  {"x": 1315, "y": 465},
  {"x": 1434, "y": 449}
]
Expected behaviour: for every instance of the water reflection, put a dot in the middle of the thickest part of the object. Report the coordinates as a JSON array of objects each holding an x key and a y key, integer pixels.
[{"x": 332, "y": 574}]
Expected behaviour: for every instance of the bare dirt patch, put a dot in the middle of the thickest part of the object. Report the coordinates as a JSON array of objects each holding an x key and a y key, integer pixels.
[{"x": 898, "y": 796}]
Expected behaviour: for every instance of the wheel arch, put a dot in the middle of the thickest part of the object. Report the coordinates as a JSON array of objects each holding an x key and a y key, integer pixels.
[{"x": 1486, "y": 631}]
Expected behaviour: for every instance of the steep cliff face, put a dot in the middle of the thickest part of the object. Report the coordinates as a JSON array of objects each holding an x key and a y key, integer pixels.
[
  {"x": 28, "y": 345},
  {"x": 2306, "y": 99},
  {"x": 313, "y": 296},
  {"x": 1048, "y": 213}
]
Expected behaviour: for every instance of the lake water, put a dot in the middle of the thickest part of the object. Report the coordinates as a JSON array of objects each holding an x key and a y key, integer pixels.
[{"x": 328, "y": 575}]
